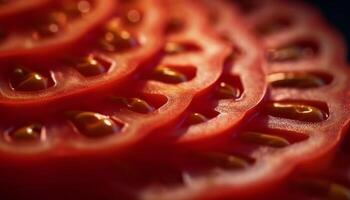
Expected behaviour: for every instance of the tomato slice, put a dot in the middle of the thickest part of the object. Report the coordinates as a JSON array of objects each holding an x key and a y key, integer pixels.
[{"x": 57, "y": 26}]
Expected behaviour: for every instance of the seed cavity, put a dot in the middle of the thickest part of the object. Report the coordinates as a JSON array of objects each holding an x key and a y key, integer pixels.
[
  {"x": 295, "y": 51},
  {"x": 195, "y": 118},
  {"x": 168, "y": 75},
  {"x": 264, "y": 139},
  {"x": 302, "y": 80},
  {"x": 324, "y": 188},
  {"x": 296, "y": 111},
  {"x": 224, "y": 161},
  {"x": 273, "y": 25},
  {"x": 90, "y": 66},
  {"x": 173, "y": 48},
  {"x": 134, "y": 104},
  {"x": 116, "y": 39},
  {"x": 227, "y": 91},
  {"x": 28, "y": 133},
  {"x": 25, "y": 80},
  {"x": 93, "y": 125}
]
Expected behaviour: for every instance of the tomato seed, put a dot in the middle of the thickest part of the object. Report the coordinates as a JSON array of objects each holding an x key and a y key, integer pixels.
[
  {"x": 91, "y": 67},
  {"x": 173, "y": 48},
  {"x": 134, "y": 104},
  {"x": 93, "y": 125},
  {"x": 264, "y": 139},
  {"x": 225, "y": 161},
  {"x": 227, "y": 91},
  {"x": 27, "y": 133},
  {"x": 296, "y": 111},
  {"x": 25, "y": 80},
  {"x": 293, "y": 52},
  {"x": 195, "y": 118},
  {"x": 296, "y": 80},
  {"x": 139, "y": 105},
  {"x": 116, "y": 39},
  {"x": 168, "y": 75}
]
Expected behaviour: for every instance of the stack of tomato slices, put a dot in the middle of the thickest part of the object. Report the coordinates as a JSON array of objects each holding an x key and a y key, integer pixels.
[{"x": 171, "y": 100}]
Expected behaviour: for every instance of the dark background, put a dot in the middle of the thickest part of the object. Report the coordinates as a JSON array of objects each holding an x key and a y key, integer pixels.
[{"x": 338, "y": 13}]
